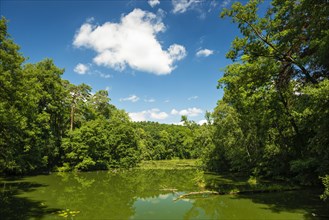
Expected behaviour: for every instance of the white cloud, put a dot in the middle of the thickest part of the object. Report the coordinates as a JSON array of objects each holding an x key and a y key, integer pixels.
[
  {"x": 81, "y": 68},
  {"x": 138, "y": 116},
  {"x": 188, "y": 112},
  {"x": 174, "y": 112},
  {"x": 156, "y": 114},
  {"x": 147, "y": 115},
  {"x": 204, "y": 121},
  {"x": 193, "y": 97},
  {"x": 106, "y": 76},
  {"x": 132, "y": 98},
  {"x": 178, "y": 123},
  {"x": 204, "y": 53},
  {"x": 153, "y": 3},
  {"x": 149, "y": 100},
  {"x": 161, "y": 13},
  {"x": 132, "y": 42},
  {"x": 181, "y": 6},
  {"x": 177, "y": 52}
]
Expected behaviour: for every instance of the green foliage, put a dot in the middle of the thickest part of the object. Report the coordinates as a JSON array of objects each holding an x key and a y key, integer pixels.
[
  {"x": 31, "y": 110},
  {"x": 12, "y": 120},
  {"x": 46, "y": 122},
  {"x": 164, "y": 142},
  {"x": 273, "y": 118},
  {"x": 101, "y": 144}
]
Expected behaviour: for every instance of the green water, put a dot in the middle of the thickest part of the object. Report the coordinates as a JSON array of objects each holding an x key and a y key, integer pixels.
[{"x": 145, "y": 194}]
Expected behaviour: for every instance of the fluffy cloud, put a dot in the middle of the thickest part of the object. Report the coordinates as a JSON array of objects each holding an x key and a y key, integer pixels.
[
  {"x": 204, "y": 53},
  {"x": 181, "y": 6},
  {"x": 138, "y": 116},
  {"x": 188, "y": 112},
  {"x": 132, "y": 98},
  {"x": 156, "y": 114},
  {"x": 153, "y": 3},
  {"x": 174, "y": 112},
  {"x": 147, "y": 115},
  {"x": 81, "y": 68},
  {"x": 132, "y": 42}
]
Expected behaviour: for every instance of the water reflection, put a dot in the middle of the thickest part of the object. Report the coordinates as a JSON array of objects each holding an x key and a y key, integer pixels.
[
  {"x": 145, "y": 194},
  {"x": 14, "y": 206}
]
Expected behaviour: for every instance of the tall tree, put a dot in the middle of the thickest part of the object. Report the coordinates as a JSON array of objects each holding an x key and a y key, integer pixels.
[
  {"x": 46, "y": 112},
  {"x": 271, "y": 91},
  {"x": 80, "y": 95},
  {"x": 12, "y": 121}
]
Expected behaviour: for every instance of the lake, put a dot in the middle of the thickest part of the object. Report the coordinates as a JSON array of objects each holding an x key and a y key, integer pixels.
[{"x": 147, "y": 194}]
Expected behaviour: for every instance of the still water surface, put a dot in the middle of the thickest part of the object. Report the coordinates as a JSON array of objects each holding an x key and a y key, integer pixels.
[{"x": 146, "y": 194}]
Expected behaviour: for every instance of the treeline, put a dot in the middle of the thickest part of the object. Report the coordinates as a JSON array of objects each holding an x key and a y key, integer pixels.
[
  {"x": 164, "y": 141},
  {"x": 47, "y": 123},
  {"x": 273, "y": 120}
]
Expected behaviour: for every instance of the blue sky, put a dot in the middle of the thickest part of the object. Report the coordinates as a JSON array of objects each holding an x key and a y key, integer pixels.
[{"x": 158, "y": 59}]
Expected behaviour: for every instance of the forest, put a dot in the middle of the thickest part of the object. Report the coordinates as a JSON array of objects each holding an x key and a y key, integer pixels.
[{"x": 272, "y": 121}]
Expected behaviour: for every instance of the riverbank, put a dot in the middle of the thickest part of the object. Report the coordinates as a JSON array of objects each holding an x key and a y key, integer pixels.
[
  {"x": 170, "y": 164},
  {"x": 221, "y": 183}
]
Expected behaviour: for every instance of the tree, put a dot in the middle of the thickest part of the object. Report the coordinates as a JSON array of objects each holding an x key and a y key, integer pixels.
[
  {"x": 267, "y": 115},
  {"x": 100, "y": 103},
  {"x": 285, "y": 34},
  {"x": 101, "y": 144},
  {"x": 79, "y": 96},
  {"x": 45, "y": 113},
  {"x": 32, "y": 110},
  {"x": 12, "y": 121}
]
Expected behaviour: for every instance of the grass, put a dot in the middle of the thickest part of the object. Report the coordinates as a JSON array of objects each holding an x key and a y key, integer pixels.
[{"x": 169, "y": 164}]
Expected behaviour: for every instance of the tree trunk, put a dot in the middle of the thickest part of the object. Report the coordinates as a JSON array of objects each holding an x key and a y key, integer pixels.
[{"x": 72, "y": 117}]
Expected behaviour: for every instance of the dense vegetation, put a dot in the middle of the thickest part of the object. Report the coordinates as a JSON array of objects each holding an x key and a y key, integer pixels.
[
  {"x": 47, "y": 123},
  {"x": 273, "y": 120}
]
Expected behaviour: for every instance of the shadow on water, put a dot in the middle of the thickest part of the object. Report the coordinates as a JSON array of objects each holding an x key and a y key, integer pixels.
[
  {"x": 12, "y": 206},
  {"x": 150, "y": 194},
  {"x": 306, "y": 199}
]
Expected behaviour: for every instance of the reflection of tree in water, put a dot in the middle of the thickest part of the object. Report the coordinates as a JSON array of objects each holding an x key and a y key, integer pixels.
[
  {"x": 12, "y": 206},
  {"x": 204, "y": 207},
  {"x": 307, "y": 200},
  {"x": 106, "y": 195},
  {"x": 259, "y": 205},
  {"x": 277, "y": 205},
  {"x": 112, "y": 194}
]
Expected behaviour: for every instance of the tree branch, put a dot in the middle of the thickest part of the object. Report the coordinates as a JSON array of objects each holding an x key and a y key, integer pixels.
[{"x": 284, "y": 57}]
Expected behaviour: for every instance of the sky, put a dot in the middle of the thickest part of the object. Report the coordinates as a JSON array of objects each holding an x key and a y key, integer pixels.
[{"x": 158, "y": 59}]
